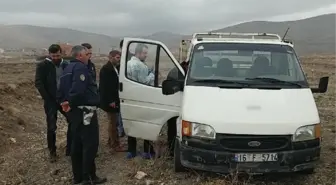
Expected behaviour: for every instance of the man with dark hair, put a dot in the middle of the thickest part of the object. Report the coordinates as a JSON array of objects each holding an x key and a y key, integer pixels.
[
  {"x": 80, "y": 99},
  {"x": 117, "y": 55},
  {"x": 138, "y": 71},
  {"x": 109, "y": 94},
  {"x": 47, "y": 80},
  {"x": 90, "y": 64}
]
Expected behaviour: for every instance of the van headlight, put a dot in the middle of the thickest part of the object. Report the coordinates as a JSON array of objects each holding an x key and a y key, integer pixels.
[
  {"x": 197, "y": 130},
  {"x": 309, "y": 132}
]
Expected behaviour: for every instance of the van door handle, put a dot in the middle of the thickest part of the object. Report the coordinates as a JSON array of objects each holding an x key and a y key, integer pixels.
[{"x": 120, "y": 86}]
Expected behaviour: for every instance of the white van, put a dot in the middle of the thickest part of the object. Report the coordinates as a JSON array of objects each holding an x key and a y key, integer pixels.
[{"x": 244, "y": 103}]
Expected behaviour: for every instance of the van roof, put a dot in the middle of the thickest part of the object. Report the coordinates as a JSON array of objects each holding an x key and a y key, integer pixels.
[
  {"x": 230, "y": 37},
  {"x": 249, "y": 41}
]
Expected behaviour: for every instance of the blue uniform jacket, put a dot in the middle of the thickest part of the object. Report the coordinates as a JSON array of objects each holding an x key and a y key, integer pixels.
[{"x": 77, "y": 86}]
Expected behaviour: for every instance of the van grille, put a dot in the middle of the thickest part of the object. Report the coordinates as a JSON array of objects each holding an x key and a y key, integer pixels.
[{"x": 253, "y": 143}]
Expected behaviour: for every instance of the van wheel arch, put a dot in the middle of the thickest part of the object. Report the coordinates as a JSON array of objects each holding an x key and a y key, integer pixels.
[
  {"x": 168, "y": 132},
  {"x": 170, "y": 122}
]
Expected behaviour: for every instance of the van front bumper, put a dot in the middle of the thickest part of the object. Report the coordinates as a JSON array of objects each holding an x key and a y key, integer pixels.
[{"x": 223, "y": 162}]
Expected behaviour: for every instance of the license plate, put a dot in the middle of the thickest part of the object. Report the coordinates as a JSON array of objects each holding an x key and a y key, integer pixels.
[{"x": 256, "y": 157}]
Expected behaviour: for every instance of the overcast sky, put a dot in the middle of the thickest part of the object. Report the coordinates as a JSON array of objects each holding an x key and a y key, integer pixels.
[{"x": 123, "y": 17}]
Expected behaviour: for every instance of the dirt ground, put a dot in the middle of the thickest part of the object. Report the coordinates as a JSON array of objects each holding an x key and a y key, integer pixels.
[{"x": 23, "y": 153}]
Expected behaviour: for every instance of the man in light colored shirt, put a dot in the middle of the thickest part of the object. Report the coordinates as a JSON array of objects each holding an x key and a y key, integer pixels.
[{"x": 137, "y": 70}]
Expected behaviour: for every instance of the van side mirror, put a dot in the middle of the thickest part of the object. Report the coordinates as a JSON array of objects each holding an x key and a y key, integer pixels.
[
  {"x": 170, "y": 87},
  {"x": 323, "y": 85}
]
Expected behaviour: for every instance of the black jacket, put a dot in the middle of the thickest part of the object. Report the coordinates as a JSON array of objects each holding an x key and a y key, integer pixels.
[
  {"x": 45, "y": 80},
  {"x": 92, "y": 69},
  {"x": 109, "y": 88}
]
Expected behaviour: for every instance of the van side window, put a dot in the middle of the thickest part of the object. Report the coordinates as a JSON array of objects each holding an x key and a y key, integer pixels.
[{"x": 140, "y": 64}]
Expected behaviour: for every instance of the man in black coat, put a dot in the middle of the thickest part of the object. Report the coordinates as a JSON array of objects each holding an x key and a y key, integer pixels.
[
  {"x": 47, "y": 78},
  {"x": 109, "y": 96}
]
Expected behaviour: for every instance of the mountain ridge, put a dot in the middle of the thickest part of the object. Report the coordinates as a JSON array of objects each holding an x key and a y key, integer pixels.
[{"x": 310, "y": 35}]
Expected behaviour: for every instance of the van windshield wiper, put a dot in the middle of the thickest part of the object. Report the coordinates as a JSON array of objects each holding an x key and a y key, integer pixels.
[
  {"x": 219, "y": 81},
  {"x": 275, "y": 81}
]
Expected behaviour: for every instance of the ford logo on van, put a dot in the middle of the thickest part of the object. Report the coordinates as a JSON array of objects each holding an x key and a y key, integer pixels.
[{"x": 254, "y": 143}]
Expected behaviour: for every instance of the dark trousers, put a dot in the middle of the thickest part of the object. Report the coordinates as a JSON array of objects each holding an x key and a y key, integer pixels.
[
  {"x": 171, "y": 136},
  {"x": 148, "y": 148},
  {"x": 51, "y": 110},
  {"x": 132, "y": 146},
  {"x": 85, "y": 142}
]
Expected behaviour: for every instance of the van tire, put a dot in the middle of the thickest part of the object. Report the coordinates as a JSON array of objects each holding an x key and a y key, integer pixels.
[{"x": 178, "y": 167}]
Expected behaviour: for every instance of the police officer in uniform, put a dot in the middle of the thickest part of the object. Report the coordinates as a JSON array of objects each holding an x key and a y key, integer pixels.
[
  {"x": 91, "y": 66},
  {"x": 79, "y": 97}
]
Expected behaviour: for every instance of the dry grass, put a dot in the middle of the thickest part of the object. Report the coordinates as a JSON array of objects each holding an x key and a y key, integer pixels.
[{"x": 23, "y": 154}]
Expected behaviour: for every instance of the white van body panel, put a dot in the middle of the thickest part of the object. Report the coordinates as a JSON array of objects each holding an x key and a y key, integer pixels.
[{"x": 250, "y": 111}]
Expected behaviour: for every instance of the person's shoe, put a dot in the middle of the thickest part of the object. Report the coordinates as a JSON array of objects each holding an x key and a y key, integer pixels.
[
  {"x": 99, "y": 180},
  {"x": 147, "y": 156},
  {"x": 52, "y": 157},
  {"x": 74, "y": 181},
  {"x": 94, "y": 181},
  {"x": 130, "y": 155},
  {"x": 87, "y": 183}
]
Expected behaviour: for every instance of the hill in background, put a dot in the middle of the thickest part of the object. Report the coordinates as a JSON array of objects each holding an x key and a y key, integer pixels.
[
  {"x": 27, "y": 36},
  {"x": 312, "y": 35}
]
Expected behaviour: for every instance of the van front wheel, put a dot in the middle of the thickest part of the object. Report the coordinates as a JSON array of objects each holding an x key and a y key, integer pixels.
[{"x": 177, "y": 157}]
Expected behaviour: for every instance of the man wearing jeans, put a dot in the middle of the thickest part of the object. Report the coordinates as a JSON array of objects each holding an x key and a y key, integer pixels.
[{"x": 47, "y": 80}]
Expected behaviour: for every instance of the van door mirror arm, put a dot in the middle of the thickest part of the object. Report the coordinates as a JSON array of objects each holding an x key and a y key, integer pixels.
[
  {"x": 170, "y": 86},
  {"x": 323, "y": 85}
]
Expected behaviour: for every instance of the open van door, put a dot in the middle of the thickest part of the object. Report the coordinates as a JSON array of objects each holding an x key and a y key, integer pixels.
[{"x": 144, "y": 108}]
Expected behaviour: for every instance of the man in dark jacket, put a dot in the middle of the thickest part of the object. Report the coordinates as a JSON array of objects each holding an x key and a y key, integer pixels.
[
  {"x": 47, "y": 77},
  {"x": 90, "y": 64},
  {"x": 80, "y": 99},
  {"x": 109, "y": 96}
]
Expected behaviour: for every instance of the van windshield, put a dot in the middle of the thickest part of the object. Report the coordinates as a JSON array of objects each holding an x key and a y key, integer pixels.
[{"x": 245, "y": 63}]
